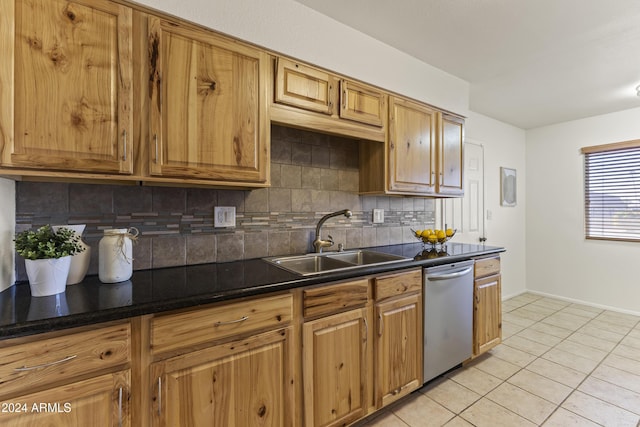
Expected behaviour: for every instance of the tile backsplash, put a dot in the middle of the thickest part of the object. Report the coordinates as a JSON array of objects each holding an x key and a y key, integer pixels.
[{"x": 311, "y": 174}]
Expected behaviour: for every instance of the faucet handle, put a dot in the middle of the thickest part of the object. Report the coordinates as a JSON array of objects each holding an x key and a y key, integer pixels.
[{"x": 330, "y": 238}]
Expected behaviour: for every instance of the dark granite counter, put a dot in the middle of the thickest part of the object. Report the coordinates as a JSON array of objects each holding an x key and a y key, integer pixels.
[{"x": 153, "y": 291}]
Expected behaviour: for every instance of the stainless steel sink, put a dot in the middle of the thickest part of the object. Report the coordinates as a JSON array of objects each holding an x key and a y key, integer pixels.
[{"x": 310, "y": 264}]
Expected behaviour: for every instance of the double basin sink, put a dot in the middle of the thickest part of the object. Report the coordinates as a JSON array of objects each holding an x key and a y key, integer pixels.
[{"x": 317, "y": 263}]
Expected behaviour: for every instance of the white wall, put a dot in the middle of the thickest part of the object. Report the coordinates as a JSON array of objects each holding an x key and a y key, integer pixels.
[
  {"x": 560, "y": 261},
  {"x": 7, "y": 227},
  {"x": 504, "y": 145},
  {"x": 291, "y": 28}
]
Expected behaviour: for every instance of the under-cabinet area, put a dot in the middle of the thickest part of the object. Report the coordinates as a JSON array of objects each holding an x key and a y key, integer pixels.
[{"x": 326, "y": 354}]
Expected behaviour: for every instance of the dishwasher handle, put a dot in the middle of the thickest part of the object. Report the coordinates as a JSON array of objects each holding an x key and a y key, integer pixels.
[{"x": 450, "y": 275}]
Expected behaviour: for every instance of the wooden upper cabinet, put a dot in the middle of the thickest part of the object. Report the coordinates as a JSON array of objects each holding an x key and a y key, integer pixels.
[
  {"x": 67, "y": 103},
  {"x": 208, "y": 106},
  {"x": 450, "y": 165},
  {"x": 305, "y": 87},
  {"x": 411, "y": 149},
  {"x": 362, "y": 103}
]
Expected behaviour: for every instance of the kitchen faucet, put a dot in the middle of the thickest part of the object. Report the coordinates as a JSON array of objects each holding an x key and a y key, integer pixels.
[{"x": 318, "y": 243}]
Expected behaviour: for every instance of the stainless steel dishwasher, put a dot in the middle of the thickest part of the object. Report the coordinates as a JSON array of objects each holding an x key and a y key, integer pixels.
[{"x": 448, "y": 317}]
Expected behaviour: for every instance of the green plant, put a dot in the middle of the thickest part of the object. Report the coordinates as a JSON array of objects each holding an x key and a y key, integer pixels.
[{"x": 45, "y": 243}]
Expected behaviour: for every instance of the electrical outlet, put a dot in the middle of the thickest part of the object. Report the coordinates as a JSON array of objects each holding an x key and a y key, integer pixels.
[
  {"x": 378, "y": 216},
  {"x": 224, "y": 216}
]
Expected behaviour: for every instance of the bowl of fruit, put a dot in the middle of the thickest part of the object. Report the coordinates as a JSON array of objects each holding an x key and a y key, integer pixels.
[{"x": 434, "y": 237}]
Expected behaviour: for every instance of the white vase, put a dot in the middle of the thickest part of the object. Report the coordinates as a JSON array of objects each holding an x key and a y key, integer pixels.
[
  {"x": 80, "y": 261},
  {"x": 115, "y": 255},
  {"x": 47, "y": 276}
]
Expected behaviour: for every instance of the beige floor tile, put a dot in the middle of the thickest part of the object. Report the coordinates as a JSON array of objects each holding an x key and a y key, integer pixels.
[
  {"x": 485, "y": 413},
  {"x": 562, "y": 374},
  {"x": 626, "y": 351},
  {"x": 554, "y": 330},
  {"x": 576, "y": 311},
  {"x": 631, "y": 341},
  {"x": 542, "y": 309},
  {"x": 527, "y": 313},
  {"x": 419, "y": 410},
  {"x": 582, "y": 350},
  {"x": 563, "y": 418},
  {"x": 450, "y": 394},
  {"x": 475, "y": 380},
  {"x": 570, "y": 360},
  {"x": 510, "y": 305},
  {"x": 591, "y": 341},
  {"x": 552, "y": 303},
  {"x": 387, "y": 419},
  {"x": 566, "y": 321},
  {"x": 599, "y": 411},
  {"x": 608, "y": 326},
  {"x": 622, "y": 363},
  {"x": 526, "y": 345},
  {"x": 586, "y": 308},
  {"x": 513, "y": 355},
  {"x": 626, "y": 399},
  {"x": 510, "y": 329},
  {"x": 495, "y": 366},
  {"x": 595, "y": 331},
  {"x": 618, "y": 377},
  {"x": 525, "y": 298},
  {"x": 458, "y": 422},
  {"x": 635, "y": 332},
  {"x": 518, "y": 320},
  {"x": 540, "y": 337},
  {"x": 619, "y": 318},
  {"x": 541, "y": 386},
  {"x": 523, "y": 403}
]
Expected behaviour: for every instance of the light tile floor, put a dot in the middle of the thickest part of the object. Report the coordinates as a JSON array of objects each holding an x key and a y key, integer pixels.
[{"x": 560, "y": 364}]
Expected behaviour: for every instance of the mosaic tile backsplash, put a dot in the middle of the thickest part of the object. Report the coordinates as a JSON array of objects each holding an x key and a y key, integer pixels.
[{"x": 311, "y": 174}]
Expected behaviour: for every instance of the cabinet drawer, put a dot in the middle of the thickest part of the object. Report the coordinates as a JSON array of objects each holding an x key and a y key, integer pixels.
[
  {"x": 398, "y": 284},
  {"x": 487, "y": 266},
  {"x": 305, "y": 87},
  {"x": 329, "y": 299},
  {"x": 45, "y": 361},
  {"x": 173, "y": 331}
]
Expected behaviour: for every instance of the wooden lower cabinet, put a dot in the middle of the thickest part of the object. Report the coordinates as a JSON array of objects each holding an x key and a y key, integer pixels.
[
  {"x": 487, "y": 305},
  {"x": 101, "y": 401},
  {"x": 239, "y": 383},
  {"x": 398, "y": 348},
  {"x": 334, "y": 368}
]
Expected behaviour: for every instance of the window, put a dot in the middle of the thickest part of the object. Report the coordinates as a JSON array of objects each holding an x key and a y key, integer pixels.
[{"x": 612, "y": 191}]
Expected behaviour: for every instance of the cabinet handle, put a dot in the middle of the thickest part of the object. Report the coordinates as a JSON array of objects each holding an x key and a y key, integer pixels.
[
  {"x": 230, "y": 322},
  {"x": 159, "y": 396},
  {"x": 366, "y": 332},
  {"x": 45, "y": 365},
  {"x": 155, "y": 140},
  {"x": 380, "y": 325},
  {"x": 124, "y": 145},
  {"x": 120, "y": 407}
]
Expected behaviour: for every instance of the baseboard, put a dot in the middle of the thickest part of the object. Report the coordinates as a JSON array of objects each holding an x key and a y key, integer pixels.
[{"x": 577, "y": 301}]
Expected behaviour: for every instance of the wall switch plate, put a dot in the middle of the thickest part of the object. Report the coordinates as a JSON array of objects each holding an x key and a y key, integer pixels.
[
  {"x": 224, "y": 216},
  {"x": 378, "y": 216}
]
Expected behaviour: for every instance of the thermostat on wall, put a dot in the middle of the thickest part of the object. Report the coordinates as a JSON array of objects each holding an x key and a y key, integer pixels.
[{"x": 224, "y": 216}]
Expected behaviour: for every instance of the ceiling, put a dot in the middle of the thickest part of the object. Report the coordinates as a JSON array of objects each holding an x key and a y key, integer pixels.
[{"x": 529, "y": 63}]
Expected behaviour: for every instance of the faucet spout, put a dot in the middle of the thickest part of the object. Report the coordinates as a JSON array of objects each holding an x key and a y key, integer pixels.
[{"x": 318, "y": 243}]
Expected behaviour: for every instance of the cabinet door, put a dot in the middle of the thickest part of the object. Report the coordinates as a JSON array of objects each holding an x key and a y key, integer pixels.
[
  {"x": 450, "y": 167},
  {"x": 398, "y": 348},
  {"x": 208, "y": 106},
  {"x": 101, "y": 401},
  {"x": 362, "y": 104},
  {"x": 487, "y": 314},
  {"x": 304, "y": 87},
  {"x": 71, "y": 79},
  {"x": 412, "y": 135},
  {"x": 242, "y": 383},
  {"x": 334, "y": 369}
]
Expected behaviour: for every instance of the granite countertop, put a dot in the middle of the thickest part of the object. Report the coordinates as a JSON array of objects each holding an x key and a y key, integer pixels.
[{"x": 158, "y": 290}]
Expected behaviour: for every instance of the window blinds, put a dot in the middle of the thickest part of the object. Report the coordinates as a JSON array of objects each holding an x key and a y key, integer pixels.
[{"x": 612, "y": 191}]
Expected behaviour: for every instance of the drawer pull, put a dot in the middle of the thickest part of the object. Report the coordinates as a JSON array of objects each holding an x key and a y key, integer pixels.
[
  {"x": 120, "y": 408},
  {"x": 231, "y": 322},
  {"x": 45, "y": 365}
]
